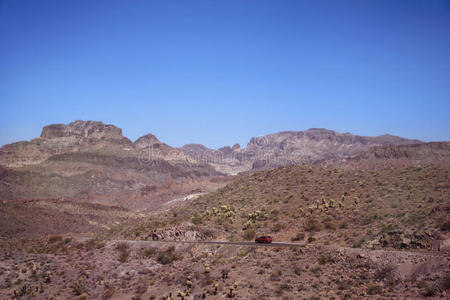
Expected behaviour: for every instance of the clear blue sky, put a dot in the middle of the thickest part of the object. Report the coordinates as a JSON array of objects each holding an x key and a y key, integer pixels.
[{"x": 219, "y": 72}]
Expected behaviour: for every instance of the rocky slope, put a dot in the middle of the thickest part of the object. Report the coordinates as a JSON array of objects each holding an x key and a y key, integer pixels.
[
  {"x": 313, "y": 146},
  {"x": 90, "y": 159},
  {"x": 360, "y": 234},
  {"x": 435, "y": 153}
]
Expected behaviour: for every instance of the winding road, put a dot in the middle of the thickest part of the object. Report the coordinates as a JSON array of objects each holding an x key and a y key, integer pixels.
[{"x": 276, "y": 244}]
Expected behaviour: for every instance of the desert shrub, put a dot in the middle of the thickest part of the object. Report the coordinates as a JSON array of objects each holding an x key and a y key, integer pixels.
[
  {"x": 168, "y": 256},
  {"x": 283, "y": 287},
  {"x": 124, "y": 252},
  {"x": 55, "y": 238},
  {"x": 298, "y": 237},
  {"x": 430, "y": 288},
  {"x": 343, "y": 285},
  {"x": 149, "y": 252},
  {"x": 141, "y": 288},
  {"x": 446, "y": 281},
  {"x": 343, "y": 225},
  {"x": 358, "y": 243},
  {"x": 108, "y": 291},
  {"x": 275, "y": 276},
  {"x": 374, "y": 289},
  {"x": 78, "y": 287},
  {"x": 330, "y": 225},
  {"x": 122, "y": 246},
  {"x": 196, "y": 219},
  {"x": 311, "y": 224},
  {"x": 208, "y": 233},
  {"x": 91, "y": 244},
  {"x": 249, "y": 234},
  {"x": 277, "y": 227},
  {"x": 315, "y": 270},
  {"x": 445, "y": 226},
  {"x": 311, "y": 239},
  {"x": 67, "y": 240},
  {"x": 325, "y": 259},
  {"x": 385, "y": 228},
  {"x": 384, "y": 272},
  {"x": 297, "y": 270}
]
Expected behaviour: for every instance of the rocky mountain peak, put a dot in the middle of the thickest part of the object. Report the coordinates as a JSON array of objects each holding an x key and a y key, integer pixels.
[
  {"x": 146, "y": 140},
  {"x": 83, "y": 130}
]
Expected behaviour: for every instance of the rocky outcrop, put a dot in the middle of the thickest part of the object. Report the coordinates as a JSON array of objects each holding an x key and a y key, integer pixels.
[
  {"x": 182, "y": 232},
  {"x": 84, "y": 131},
  {"x": 313, "y": 146},
  {"x": 403, "y": 240},
  {"x": 150, "y": 147},
  {"x": 422, "y": 154},
  {"x": 61, "y": 138},
  {"x": 91, "y": 158}
]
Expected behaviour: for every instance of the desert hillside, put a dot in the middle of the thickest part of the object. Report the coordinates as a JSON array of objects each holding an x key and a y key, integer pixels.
[
  {"x": 88, "y": 214},
  {"x": 89, "y": 161},
  {"x": 312, "y": 146},
  {"x": 373, "y": 234}
]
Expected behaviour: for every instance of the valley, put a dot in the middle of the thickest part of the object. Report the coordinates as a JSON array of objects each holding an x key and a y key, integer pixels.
[{"x": 87, "y": 214}]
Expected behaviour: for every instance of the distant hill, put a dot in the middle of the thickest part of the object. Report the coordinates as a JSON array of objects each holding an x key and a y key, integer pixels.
[
  {"x": 93, "y": 161},
  {"x": 85, "y": 159},
  {"x": 423, "y": 154},
  {"x": 312, "y": 146}
]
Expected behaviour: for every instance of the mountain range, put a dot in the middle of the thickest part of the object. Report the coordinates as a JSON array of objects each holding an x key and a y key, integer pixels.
[{"x": 92, "y": 160}]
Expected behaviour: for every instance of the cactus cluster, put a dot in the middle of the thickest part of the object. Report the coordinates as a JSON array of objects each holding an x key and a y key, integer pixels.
[
  {"x": 323, "y": 205},
  {"x": 251, "y": 219},
  {"x": 185, "y": 293},
  {"x": 47, "y": 277},
  {"x": 232, "y": 292},
  {"x": 254, "y": 215},
  {"x": 224, "y": 212},
  {"x": 207, "y": 269},
  {"x": 247, "y": 224},
  {"x": 188, "y": 282}
]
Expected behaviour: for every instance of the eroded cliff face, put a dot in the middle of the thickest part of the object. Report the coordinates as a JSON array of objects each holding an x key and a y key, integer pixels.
[
  {"x": 312, "y": 146},
  {"x": 61, "y": 138},
  {"x": 88, "y": 158}
]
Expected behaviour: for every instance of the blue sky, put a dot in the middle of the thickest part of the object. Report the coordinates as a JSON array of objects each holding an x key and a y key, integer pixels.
[{"x": 220, "y": 72}]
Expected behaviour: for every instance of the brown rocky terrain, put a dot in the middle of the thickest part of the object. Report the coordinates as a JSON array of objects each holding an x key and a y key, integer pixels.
[
  {"x": 93, "y": 162},
  {"x": 353, "y": 225},
  {"x": 423, "y": 154},
  {"x": 312, "y": 146},
  {"x": 357, "y": 234},
  {"x": 88, "y": 160}
]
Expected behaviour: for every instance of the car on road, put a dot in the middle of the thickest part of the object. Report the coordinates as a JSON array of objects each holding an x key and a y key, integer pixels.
[{"x": 264, "y": 239}]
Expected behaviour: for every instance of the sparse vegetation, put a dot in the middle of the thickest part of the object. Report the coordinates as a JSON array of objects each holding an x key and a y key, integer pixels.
[
  {"x": 168, "y": 256},
  {"x": 123, "y": 249},
  {"x": 268, "y": 201},
  {"x": 249, "y": 234}
]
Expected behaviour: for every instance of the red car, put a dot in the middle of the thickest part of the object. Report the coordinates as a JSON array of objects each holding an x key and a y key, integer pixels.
[{"x": 264, "y": 239}]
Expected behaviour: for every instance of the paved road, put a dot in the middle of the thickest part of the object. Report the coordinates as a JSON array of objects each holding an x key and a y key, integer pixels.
[{"x": 276, "y": 244}]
